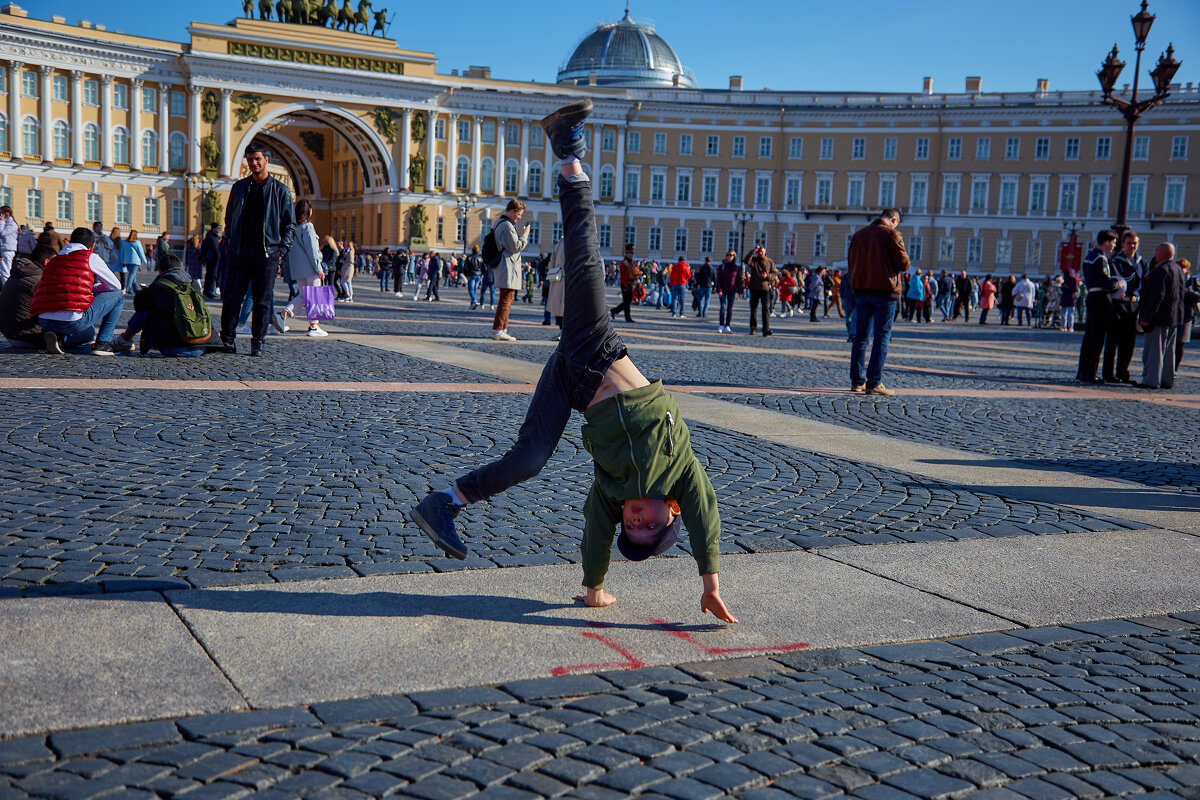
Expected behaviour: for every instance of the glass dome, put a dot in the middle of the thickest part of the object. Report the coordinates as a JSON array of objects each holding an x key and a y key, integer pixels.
[{"x": 625, "y": 53}]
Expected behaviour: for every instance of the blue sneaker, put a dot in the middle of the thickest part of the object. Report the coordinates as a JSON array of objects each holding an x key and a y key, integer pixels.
[
  {"x": 435, "y": 516},
  {"x": 564, "y": 128}
]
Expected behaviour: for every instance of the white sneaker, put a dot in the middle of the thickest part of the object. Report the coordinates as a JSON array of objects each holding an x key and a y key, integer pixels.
[
  {"x": 397, "y": 293},
  {"x": 244, "y": 330},
  {"x": 317, "y": 332},
  {"x": 503, "y": 336},
  {"x": 279, "y": 320}
]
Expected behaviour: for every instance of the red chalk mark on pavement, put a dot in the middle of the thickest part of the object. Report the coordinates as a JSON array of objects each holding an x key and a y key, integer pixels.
[
  {"x": 673, "y": 629},
  {"x": 631, "y": 661}
]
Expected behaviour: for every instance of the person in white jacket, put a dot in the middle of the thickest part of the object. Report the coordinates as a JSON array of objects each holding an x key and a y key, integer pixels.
[
  {"x": 8, "y": 242},
  {"x": 1023, "y": 298},
  {"x": 304, "y": 261}
]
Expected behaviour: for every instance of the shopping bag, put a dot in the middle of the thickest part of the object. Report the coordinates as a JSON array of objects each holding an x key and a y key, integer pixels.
[{"x": 318, "y": 302}]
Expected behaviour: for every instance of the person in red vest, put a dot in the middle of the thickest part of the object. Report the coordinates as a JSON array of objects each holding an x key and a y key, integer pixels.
[{"x": 77, "y": 294}]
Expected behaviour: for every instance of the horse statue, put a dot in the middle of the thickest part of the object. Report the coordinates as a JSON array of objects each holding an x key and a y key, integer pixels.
[
  {"x": 248, "y": 8},
  {"x": 283, "y": 10},
  {"x": 326, "y": 12},
  {"x": 346, "y": 18},
  {"x": 363, "y": 15},
  {"x": 264, "y": 9}
]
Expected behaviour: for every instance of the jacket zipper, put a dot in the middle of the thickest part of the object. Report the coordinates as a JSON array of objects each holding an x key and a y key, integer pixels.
[
  {"x": 670, "y": 434},
  {"x": 628, "y": 438}
]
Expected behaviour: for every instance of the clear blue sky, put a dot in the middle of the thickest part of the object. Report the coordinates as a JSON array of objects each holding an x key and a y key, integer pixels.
[{"x": 781, "y": 44}]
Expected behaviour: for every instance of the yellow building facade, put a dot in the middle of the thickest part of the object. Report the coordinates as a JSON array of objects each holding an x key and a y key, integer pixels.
[{"x": 144, "y": 134}]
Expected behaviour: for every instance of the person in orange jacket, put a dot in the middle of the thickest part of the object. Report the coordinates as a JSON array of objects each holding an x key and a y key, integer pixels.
[{"x": 681, "y": 273}]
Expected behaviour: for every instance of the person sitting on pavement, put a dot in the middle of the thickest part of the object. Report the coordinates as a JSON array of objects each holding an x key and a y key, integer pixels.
[
  {"x": 16, "y": 323},
  {"x": 78, "y": 294},
  {"x": 156, "y": 314}
]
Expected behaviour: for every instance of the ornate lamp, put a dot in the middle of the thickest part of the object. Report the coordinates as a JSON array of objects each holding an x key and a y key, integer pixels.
[
  {"x": 1165, "y": 70},
  {"x": 1141, "y": 23},
  {"x": 1110, "y": 70}
]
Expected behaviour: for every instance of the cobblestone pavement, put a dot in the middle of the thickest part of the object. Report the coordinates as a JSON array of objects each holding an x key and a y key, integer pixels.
[
  {"x": 1154, "y": 444},
  {"x": 164, "y": 488},
  {"x": 1106, "y": 709}
]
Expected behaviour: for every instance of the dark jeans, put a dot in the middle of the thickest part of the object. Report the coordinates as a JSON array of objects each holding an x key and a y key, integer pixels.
[
  {"x": 965, "y": 304},
  {"x": 762, "y": 298},
  {"x": 1099, "y": 311},
  {"x": 626, "y": 302},
  {"x": 210, "y": 278},
  {"x": 256, "y": 274},
  {"x": 1119, "y": 341},
  {"x": 726, "y": 310},
  {"x": 847, "y": 293},
  {"x": 880, "y": 311},
  {"x": 588, "y": 347},
  {"x": 398, "y": 279}
]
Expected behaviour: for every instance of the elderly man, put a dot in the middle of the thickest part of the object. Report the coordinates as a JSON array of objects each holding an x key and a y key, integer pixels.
[
  {"x": 1160, "y": 315},
  {"x": 877, "y": 260}
]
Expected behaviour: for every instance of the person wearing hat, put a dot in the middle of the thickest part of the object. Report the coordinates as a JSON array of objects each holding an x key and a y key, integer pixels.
[{"x": 647, "y": 479}]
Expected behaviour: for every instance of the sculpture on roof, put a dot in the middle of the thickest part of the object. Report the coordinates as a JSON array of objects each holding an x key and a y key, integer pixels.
[{"x": 322, "y": 14}]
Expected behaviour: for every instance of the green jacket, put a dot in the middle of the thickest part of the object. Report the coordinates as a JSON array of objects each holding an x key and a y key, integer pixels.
[{"x": 642, "y": 448}]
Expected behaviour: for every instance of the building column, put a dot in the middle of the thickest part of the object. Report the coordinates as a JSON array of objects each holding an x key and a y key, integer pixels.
[
  {"x": 431, "y": 151},
  {"x": 477, "y": 153},
  {"x": 550, "y": 171},
  {"x": 77, "y": 117},
  {"x": 405, "y": 143},
  {"x": 226, "y": 134},
  {"x": 135, "y": 126},
  {"x": 597, "y": 135},
  {"x": 523, "y": 179},
  {"x": 106, "y": 150},
  {"x": 16, "y": 144},
  {"x": 452, "y": 153},
  {"x": 501, "y": 124},
  {"x": 164, "y": 127},
  {"x": 619, "y": 178},
  {"x": 194, "y": 118},
  {"x": 47, "y": 114}
]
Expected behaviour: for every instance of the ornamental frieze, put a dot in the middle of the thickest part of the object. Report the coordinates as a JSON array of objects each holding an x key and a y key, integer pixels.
[{"x": 338, "y": 60}]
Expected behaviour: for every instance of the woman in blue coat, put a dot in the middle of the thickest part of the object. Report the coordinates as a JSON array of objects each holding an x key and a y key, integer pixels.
[{"x": 132, "y": 258}]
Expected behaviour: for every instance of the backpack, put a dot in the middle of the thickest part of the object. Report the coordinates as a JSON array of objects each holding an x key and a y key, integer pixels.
[
  {"x": 189, "y": 314},
  {"x": 491, "y": 252}
]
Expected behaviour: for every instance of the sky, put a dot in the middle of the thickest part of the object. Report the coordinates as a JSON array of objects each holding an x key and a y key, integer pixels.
[{"x": 776, "y": 44}]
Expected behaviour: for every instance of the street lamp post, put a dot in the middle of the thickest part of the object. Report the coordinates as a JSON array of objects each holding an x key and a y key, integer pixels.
[
  {"x": 463, "y": 205},
  {"x": 204, "y": 185},
  {"x": 742, "y": 217},
  {"x": 1162, "y": 74}
]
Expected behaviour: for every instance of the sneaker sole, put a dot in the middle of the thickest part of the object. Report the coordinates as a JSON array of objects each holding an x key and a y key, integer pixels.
[
  {"x": 583, "y": 106},
  {"x": 428, "y": 530}
]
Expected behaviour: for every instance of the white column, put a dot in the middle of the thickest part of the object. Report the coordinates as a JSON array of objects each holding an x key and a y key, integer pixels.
[
  {"x": 194, "y": 117},
  {"x": 476, "y": 152},
  {"x": 47, "y": 114},
  {"x": 77, "y": 117},
  {"x": 226, "y": 134},
  {"x": 550, "y": 172},
  {"x": 16, "y": 144},
  {"x": 164, "y": 127},
  {"x": 597, "y": 135},
  {"x": 135, "y": 126},
  {"x": 501, "y": 124},
  {"x": 106, "y": 150},
  {"x": 405, "y": 138},
  {"x": 619, "y": 178},
  {"x": 452, "y": 153},
  {"x": 523, "y": 181},
  {"x": 431, "y": 153}
]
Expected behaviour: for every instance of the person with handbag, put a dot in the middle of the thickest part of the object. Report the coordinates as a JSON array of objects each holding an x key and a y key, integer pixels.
[{"x": 304, "y": 260}]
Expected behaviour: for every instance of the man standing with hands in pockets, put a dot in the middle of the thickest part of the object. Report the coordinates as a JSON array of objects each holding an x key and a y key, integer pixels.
[{"x": 508, "y": 271}]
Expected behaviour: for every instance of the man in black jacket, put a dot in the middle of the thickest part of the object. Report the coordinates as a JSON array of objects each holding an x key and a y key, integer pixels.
[
  {"x": 1161, "y": 315},
  {"x": 259, "y": 223},
  {"x": 962, "y": 288},
  {"x": 1130, "y": 267},
  {"x": 154, "y": 315},
  {"x": 399, "y": 272},
  {"x": 472, "y": 270},
  {"x": 1097, "y": 277},
  {"x": 210, "y": 253}
]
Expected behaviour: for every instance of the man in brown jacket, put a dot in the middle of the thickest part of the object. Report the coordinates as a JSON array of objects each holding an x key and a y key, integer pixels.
[
  {"x": 877, "y": 260},
  {"x": 763, "y": 278}
]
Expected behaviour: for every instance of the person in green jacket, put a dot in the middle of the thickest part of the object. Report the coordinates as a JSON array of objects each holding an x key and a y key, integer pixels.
[{"x": 647, "y": 478}]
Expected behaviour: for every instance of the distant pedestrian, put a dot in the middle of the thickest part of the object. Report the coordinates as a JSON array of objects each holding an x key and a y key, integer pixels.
[
  {"x": 877, "y": 259},
  {"x": 1160, "y": 314},
  {"x": 508, "y": 272},
  {"x": 133, "y": 258}
]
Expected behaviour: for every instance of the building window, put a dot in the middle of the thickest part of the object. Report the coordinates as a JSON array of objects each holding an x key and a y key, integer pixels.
[
  {"x": 950, "y": 195},
  {"x": 487, "y": 174},
  {"x": 150, "y": 212},
  {"x": 1038, "y": 192},
  {"x": 178, "y": 103},
  {"x": 954, "y": 148},
  {"x": 441, "y": 229},
  {"x": 795, "y": 147},
  {"x": 979, "y": 193},
  {"x": 631, "y": 185},
  {"x": 858, "y": 148},
  {"x": 120, "y": 93},
  {"x": 4, "y": 82},
  {"x": 739, "y": 147},
  {"x": 124, "y": 209},
  {"x": 706, "y": 240},
  {"x": 974, "y": 250},
  {"x": 178, "y": 214},
  {"x": 685, "y": 144},
  {"x": 1033, "y": 252},
  {"x": 1041, "y": 148},
  {"x": 59, "y": 90},
  {"x": 1179, "y": 147},
  {"x": 607, "y": 182},
  {"x": 764, "y": 147},
  {"x": 1137, "y": 198},
  {"x": 1098, "y": 202},
  {"x": 922, "y": 152},
  {"x": 91, "y": 142},
  {"x": 149, "y": 100},
  {"x": 33, "y": 204},
  {"x": 462, "y": 174},
  {"x": 464, "y": 130},
  {"x": 1003, "y": 252},
  {"x": 655, "y": 239},
  {"x": 887, "y": 192},
  {"x": 920, "y": 193},
  {"x": 439, "y": 130},
  {"x": 660, "y": 144},
  {"x": 737, "y": 190},
  {"x": 914, "y": 249},
  {"x": 733, "y": 241},
  {"x": 658, "y": 187},
  {"x": 854, "y": 193},
  {"x": 64, "y": 203},
  {"x": 1141, "y": 148},
  {"x": 439, "y": 172},
  {"x": 712, "y": 146},
  {"x": 762, "y": 191},
  {"x": 149, "y": 150},
  {"x": 120, "y": 146},
  {"x": 710, "y": 189},
  {"x": 1103, "y": 148},
  {"x": 683, "y": 188},
  {"x": 1066, "y": 197},
  {"x": 760, "y": 239},
  {"x": 826, "y": 148},
  {"x": 29, "y": 83},
  {"x": 512, "y": 134},
  {"x": 791, "y": 192},
  {"x": 889, "y": 148},
  {"x": 946, "y": 250},
  {"x": 62, "y": 141},
  {"x": 1071, "y": 153},
  {"x": 178, "y": 152},
  {"x": 4, "y": 136},
  {"x": 1173, "y": 197},
  {"x": 681, "y": 241},
  {"x": 631, "y": 236},
  {"x": 1008, "y": 195},
  {"x": 983, "y": 148},
  {"x": 820, "y": 245},
  {"x": 535, "y": 233},
  {"x": 824, "y": 191},
  {"x": 487, "y": 132},
  {"x": 460, "y": 231},
  {"x": 30, "y": 140},
  {"x": 94, "y": 205},
  {"x": 91, "y": 93},
  {"x": 1012, "y": 148},
  {"x": 512, "y": 176},
  {"x": 604, "y": 236},
  {"x": 633, "y": 142}
]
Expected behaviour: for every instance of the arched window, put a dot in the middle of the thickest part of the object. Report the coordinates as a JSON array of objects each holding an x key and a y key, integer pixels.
[
  {"x": 439, "y": 172},
  {"x": 462, "y": 174},
  {"x": 607, "y": 176},
  {"x": 120, "y": 146},
  {"x": 512, "y": 173},
  {"x": 4, "y": 134},
  {"x": 62, "y": 140},
  {"x": 149, "y": 150},
  {"x": 91, "y": 142},
  {"x": 535, "y": 178},
  {"x": 487, "y": 175},
  {"x": 178, "y": 151},
  {"x": 29, "y": 136}
]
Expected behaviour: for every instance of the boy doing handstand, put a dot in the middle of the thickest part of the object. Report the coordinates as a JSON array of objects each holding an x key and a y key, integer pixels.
[{"x": 646, "y": 475}]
